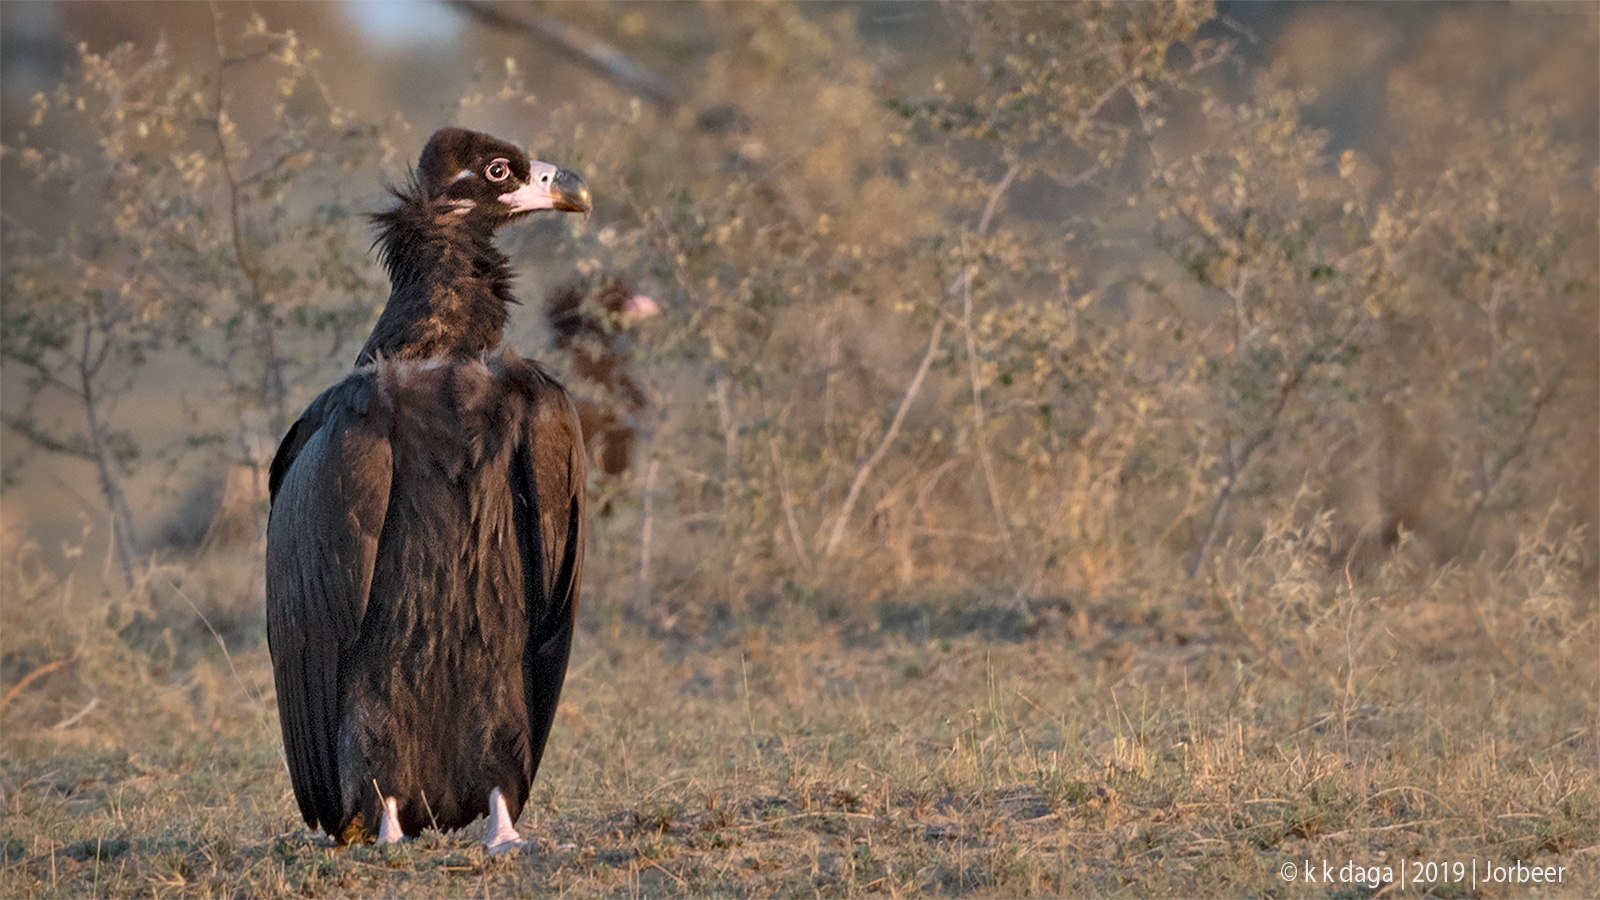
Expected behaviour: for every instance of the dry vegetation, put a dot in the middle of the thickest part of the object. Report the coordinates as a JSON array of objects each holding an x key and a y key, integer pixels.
[
  {"x": 1066, "y": 473},
  {"x": 1126, "y": 745}
]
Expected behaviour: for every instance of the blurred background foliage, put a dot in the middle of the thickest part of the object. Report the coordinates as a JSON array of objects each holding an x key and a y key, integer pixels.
[{"x": 1042, "y": 302}]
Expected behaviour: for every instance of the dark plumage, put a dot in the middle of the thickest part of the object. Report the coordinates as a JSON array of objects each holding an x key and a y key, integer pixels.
[
  {"x": 426, "y": 536},
  {"x": 591, "y": 332}
]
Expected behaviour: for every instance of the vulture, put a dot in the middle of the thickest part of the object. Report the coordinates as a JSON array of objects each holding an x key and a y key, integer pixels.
[
  {"x": 426, "y": 533},
  {"x": 590, "y": 331}
]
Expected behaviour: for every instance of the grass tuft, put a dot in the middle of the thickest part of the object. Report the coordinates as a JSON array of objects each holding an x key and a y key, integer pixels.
[{"x": 1444, "y": 715}]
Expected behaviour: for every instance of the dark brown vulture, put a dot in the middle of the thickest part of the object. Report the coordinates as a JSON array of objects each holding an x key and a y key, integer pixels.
[
  {"x": 426, "y": 536},
  {"x": 591, "y": 332}
]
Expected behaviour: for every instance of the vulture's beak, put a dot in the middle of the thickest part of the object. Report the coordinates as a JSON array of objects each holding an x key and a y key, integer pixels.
[
  {"x": 570, "y": 193},
  {"x": 550, "y": 187}
]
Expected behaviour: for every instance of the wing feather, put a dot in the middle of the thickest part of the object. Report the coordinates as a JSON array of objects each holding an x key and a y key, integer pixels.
[
  {"x": 330, "y": 484},
  {"x": 549, "y": 493}
]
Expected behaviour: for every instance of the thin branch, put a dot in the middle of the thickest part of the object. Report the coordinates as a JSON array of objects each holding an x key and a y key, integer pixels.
[
  {"x": 730, "y": 438},
  {"x": 996, "y": 194},
  {"x": 1238, "y": 463},
  {"x": 238, "y": 679},
  {"x": 641, "y": 589},
  {"x": 972, "y": 367},
  {"x": 274, "y": 389},
  {"x": 224, "y": 156},
  {"x": 786, "y": 496},
  {"x": 1489, "y": 480},
  {"x": 124, "y": 541},
  {"x": 598, "y": 55},
  {"x": 28, "y": 679},
  {"x": 43, "y": 440},
  {"x": 1511, "y": 659},
  {"x": 70, "y": 721},
  {"x": 865, "y": 471}
]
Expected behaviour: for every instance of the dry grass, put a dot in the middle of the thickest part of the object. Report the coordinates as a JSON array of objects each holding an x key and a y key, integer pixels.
[
  {"x": 1135, "y": 744},
  {"x": 930, "y": 452}
]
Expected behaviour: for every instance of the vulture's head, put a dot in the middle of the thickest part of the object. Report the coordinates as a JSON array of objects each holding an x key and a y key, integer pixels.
[
  {"x": 579, "y": 309},
  {"x": 492, "y": 182}
]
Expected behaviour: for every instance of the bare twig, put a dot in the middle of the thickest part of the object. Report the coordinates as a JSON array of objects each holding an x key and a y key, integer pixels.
[
  {"x": 823, "y": 814},
  {"x": 1490, "y": 479},
  {"x": 646, "y": 532},
  {"x": 1237, "y": 463},
  {"x": 730, "y": 441},
  {"x": 667, "y": 872},
  {"x": 123, "y": 538},
  {"x": 973, "y": 372},
  {"x": 1491, "y": 633},
  {"x": 1377, "y": 829},
  {"x": 238, "y": 679},
  {"x": 274, "y": 389},
  {"x": 786, "y": 496},
  {"x": 31, "y": 677},
  {"x": 598, "y": 55},
  {"x": 1269, "y": 654},
  {"x": 865, "y": 470},
  {"x": 70, "y": 721},
  {"x": 43, "y": 440}
]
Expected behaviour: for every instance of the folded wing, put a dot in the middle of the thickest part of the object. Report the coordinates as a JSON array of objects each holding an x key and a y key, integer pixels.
[
  {"x": 548, "y": 493},
  {"x": 330, "y": 485}
]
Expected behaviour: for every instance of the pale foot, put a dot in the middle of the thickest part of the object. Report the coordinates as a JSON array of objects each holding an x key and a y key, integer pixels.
[
  {"x": 389, "y": 829},
  {"x": 503, "y": 836}
]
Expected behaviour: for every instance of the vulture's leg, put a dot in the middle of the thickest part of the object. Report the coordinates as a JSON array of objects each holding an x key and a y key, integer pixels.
[
  {"x": 389, "y": 830},
  {"x": 503, "y": 835}
]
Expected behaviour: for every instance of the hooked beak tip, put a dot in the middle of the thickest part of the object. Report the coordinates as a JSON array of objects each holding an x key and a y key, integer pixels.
[{"x": 571, "y": 193}]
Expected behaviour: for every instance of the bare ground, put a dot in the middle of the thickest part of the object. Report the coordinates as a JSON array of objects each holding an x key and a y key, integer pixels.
[{"x": 1137, "y": 745}]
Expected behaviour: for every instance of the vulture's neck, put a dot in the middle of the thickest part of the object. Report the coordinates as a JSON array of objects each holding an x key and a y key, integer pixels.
[{"x": 449, "y": 286}]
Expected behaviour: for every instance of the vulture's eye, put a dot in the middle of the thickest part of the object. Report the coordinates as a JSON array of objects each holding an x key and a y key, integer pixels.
[{"x": 498, "y": 171}]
